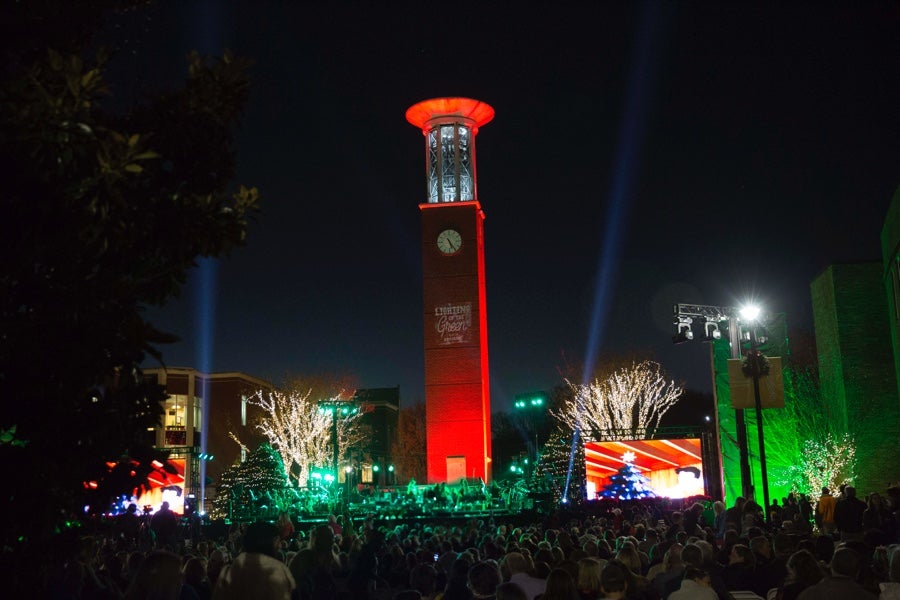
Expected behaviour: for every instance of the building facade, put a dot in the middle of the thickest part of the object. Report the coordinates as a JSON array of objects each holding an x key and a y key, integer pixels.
[
  {"x": 855, "y": 308},
  {"x": 202, "y": 415}
]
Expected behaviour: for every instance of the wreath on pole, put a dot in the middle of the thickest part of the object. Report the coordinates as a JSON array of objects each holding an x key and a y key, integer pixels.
[{"x": 755, "y": 364}]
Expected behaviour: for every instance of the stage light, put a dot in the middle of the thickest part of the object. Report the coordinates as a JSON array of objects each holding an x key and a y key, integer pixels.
[
  {"x": 685, "y": 333},
  {"x": 375, "y": 468},
  {"x": 711, "y": 331}
]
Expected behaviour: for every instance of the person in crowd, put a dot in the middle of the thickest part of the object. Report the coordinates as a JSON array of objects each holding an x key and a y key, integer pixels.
[
  {"x": 285, "y": 526},
  {"x": 876, "y": 514},
  {"x": 848, "y": 515},
  {"x": 128, "y": 524},
  {"x": 769, "y": 572},
  {"x": 671, "y": 569},
  {"x": 613, "y": 582},
  {"x": 514, "y": 567},
  {"x": 825, "y": 512},
  {"x": 588, "y": 580},
  {"x": 257, "y": 572},
  {"x": 719, "y": 525},
  {"x": 159, "y": 578},
  {"x": 457, "y": 587},
  {"x": 560, "y": 586},
  {"x": 483, "y": 579},
  {"x": 164, "y": 524},
  {"x": 890, "y": 589},
  {"x": 695, "y": 585},
  {"x": 845, "y": 567},
  {"x": 803, "y": 571},
  {"x": 738, "y": 574},
  {"x": 733, "y": 516},
  {"x": 195, "y": 577}
]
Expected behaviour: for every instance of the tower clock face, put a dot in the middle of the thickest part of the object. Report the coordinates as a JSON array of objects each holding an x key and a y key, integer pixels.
[{"x": 449, "y": 241}]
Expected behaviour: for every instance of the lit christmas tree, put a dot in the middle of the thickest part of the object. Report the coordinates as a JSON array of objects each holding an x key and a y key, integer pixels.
[
  {"x": 628, "y": 483},
  {"x": 242, "y": 485}
]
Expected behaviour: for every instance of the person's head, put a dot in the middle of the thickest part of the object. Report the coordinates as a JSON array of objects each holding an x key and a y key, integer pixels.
[
  {"x": 825, "y": 491},
  {"x": 850, "y": 491},
  {"x": 589, "y": 570},
  {"x": 803, "y": 567},
  {"x": 672, "y": 557},
  {"x": 612, "y": 579},
  {"x": 422, "y": 577},
  {"x": 718, "y": 507},
  {"x": 159, "y": 576},
  {"x": 560, "y": 584},
  {"x": 761, "y": 547},
  {"x": 483, "y": 579},
  {"x": 628, "y": 556},
  {"x": 741, "y": 554},
  {"x": 262, "y": 538},
  {"x": 194, "y": 570},
  {"x": 692, "y": 555},
  {"x": 782, "y": 544},
  {"x": 846, "y": 562},
  {"x": 514, "y": 562},
  {"x": 165, "y": 506}
]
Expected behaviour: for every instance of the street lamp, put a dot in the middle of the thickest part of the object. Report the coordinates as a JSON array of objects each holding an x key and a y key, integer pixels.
[
  {"x": 711, "y": 317},
  {"x": 756, "y": 367},
  {"x": 337, "y": 408},
  {"x": 534, "y": 403}
]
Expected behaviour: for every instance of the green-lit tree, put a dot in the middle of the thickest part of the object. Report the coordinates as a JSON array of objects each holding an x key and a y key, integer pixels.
[{"x": 103, "y": 214}]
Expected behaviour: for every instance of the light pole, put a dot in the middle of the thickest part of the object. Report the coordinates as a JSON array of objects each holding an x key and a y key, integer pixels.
[
  {"x": 337, "y": 408},
  {"x": 711, "y": 316},
  {"x": 534, "y": 404},
  {"x": 757, "y": 368}
]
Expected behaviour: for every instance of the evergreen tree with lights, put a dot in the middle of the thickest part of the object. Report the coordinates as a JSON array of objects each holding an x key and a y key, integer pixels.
[
  {"x": 552, "y": 470},
  {"x": 242, "y": 485},
  {"x": 628, "y": 483}
]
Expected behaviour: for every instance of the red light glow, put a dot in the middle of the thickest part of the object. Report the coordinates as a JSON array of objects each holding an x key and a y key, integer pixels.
[{"x": 472, "y": 110}]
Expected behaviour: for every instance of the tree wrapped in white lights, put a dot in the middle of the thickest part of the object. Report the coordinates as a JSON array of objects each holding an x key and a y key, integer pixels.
[
  {"x": 622, "y": 406},
  {"x": 301, "y": 432},
  {"x": 827, "y": 461}
]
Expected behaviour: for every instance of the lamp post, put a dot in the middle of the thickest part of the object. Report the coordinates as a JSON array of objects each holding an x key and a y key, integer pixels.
[
  {"x": 535, "y": 404},
  {"x": 711, "y": 316},
  {"x": 337, "y": 408},
  {"x": 756, "y": 368}
]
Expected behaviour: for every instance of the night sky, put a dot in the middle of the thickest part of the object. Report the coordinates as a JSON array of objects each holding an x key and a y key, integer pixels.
[{"x": 641, "y": 155}]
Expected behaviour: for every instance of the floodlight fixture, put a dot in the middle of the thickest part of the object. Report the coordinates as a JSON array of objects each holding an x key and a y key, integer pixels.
[
  {"x": 684, "y": 331},
  {"x": 711, "y": 331},
  {"x": 750, "y": 312}
]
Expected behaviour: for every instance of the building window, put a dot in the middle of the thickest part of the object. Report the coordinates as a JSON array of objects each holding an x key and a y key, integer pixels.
[
  {"x": 176, "y": 411},
  {"x": 198, "y": 414}
]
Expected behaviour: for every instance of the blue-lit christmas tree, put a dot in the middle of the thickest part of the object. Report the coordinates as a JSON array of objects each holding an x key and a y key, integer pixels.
[{"x": 628, "y": 483}]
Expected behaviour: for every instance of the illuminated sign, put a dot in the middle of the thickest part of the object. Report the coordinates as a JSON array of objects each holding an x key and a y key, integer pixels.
[{"x": 453, "y": 323}]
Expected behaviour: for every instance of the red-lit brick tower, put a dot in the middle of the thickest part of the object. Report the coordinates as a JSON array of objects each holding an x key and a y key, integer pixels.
[{"x": 457, "y": 390}]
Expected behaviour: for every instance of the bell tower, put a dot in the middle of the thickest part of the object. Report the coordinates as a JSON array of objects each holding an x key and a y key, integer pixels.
[{"x": 457, "y": 386}]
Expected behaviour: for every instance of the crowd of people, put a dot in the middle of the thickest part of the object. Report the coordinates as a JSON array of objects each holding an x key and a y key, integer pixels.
[{"x": 651, "y": 549}]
